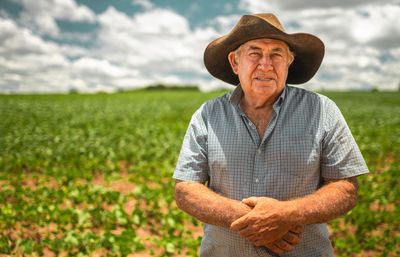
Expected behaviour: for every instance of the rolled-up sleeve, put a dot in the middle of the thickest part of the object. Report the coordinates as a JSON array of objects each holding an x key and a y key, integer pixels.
[
  {"x": 341, "y": 157},
  {"x": 192, "y": 163}
]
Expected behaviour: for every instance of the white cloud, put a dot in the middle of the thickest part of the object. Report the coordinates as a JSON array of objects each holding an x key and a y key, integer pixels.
[
  {"x": 224, "y": 24},
  {"x": 29, "y": 62},
  {"x": 145, "y": 4},
  {"x": 69, "y": 10},
  {"x": 278, "y": 6},
  {"x": 377, "y": 26},
  {"x": 155, "y": 46},
  {"x": 20, "y": 42},
  {"x": 158, "y": 43},
  {"x": 71, "y": 51},
  {"x": 259, "y": 6},
  {"x": 41, "y": 15},
  {"x": 159, "y": 46},
  {"x": 96, "y": 67},
  {"x": 161, "y": 22}
]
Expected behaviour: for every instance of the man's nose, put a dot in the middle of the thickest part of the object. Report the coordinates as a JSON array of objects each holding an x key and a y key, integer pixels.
[{"x": 265, "y": 62}]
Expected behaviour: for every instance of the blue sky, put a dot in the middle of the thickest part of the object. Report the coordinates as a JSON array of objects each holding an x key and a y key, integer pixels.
[{"x": 92, "y": 46}]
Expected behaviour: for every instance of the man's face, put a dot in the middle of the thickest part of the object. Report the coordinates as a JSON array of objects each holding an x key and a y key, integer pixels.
[{"x": 262, "y": 67}]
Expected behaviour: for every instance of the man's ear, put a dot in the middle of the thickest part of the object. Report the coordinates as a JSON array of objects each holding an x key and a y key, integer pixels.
[
  {"x": 291, "y": 58},
  {"x": 232, "y": 60}
]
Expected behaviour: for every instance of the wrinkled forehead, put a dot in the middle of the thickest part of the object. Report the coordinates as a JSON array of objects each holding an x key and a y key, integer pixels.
[{"x": 265, "y": 43}]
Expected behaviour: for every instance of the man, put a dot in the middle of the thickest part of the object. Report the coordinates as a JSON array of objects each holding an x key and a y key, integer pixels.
[{"x": 266, "y": 166}]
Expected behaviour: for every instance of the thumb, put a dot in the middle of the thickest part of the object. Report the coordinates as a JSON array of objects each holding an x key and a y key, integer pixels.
[{"x": 251, "y": 201}]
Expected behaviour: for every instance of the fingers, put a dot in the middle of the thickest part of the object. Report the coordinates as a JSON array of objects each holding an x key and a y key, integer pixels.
[
  {"x": 239, "y": 224},
  {"x": 242, "y": 221},
  {"x": 285, "y": 246},
  {"x": 251, "y": 201},
  {"x": 274, "y": 248},
  {"x": 291, "y": 238},
  {"x": 252, "y": 234},
  {"x": 248, "y": 233},
  {"x": 297, "y": 229},
  {"x": 280, "y": 246}
]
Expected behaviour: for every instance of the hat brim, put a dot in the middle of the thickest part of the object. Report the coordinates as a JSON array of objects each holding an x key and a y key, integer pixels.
[{"x": 309, "y": 50}]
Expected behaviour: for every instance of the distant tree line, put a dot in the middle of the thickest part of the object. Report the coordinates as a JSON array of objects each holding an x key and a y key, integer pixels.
[{"x": 171, "y": 87}]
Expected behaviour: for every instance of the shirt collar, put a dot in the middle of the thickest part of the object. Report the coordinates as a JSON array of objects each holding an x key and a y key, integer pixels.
[
  {"x": 237, "y": 95},
  {"x": 281, "y": 98}
]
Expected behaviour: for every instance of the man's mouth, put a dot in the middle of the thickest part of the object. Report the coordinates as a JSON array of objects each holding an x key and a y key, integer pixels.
[{"x": 264, "y": 79}]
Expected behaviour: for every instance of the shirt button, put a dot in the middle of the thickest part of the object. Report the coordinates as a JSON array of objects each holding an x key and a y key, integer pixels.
[{"x": 256, "y": 180}]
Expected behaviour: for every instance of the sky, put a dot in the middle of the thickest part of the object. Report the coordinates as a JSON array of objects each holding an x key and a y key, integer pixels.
[{"x": 106, "y": 46}]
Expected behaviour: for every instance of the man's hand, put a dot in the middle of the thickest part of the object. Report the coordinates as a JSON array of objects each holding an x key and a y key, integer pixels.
[
  {"x": 288, "y": 241},
  {"x": 267, "y": 223}
]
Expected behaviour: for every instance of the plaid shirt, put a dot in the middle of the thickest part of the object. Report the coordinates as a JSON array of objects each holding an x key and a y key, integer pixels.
[{"x": 307, "y": 140}]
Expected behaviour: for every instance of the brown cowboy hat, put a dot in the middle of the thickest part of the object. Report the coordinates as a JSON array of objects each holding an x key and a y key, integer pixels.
[{"x": 309, "y": 50}]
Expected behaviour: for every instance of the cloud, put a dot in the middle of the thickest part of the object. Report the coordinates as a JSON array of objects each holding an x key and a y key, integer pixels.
[
  {"x": 31, "y": 64},
  {"x": 154, "y": 46},
  {"x": 18, "y": 43},
  {"x": 96, "y": 67},
  {"x": 145, "y": 4},
  {"x": 158, "y": 43},
  {"x": 379, "y": 27},
  {"x": 258, "y": 6},
  {"x": 26, "y": 60},
  {"x": 278, "y": 6},
  {"x": 41, "y": 15}
]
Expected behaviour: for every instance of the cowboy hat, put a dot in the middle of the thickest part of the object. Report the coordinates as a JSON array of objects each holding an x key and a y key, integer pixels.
[{"x": 308, "y": 49}]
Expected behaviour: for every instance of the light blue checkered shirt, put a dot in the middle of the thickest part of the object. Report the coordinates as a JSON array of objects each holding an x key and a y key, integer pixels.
[{"x": 307, "y": 139}]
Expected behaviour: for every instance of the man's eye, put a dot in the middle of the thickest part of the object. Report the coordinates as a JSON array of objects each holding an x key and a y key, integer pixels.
[
  {"x": 276, "y": 55},
  {"x": 255, "y": 54}
]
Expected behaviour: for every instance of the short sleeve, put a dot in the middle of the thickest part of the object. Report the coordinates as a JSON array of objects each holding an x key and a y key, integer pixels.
[
  {"x": 341, "y": 157},
  {"x": 192, "y": 163}
]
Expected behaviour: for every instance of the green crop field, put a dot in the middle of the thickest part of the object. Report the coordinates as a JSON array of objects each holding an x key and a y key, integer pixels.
[{"x": 90, "y": 175}]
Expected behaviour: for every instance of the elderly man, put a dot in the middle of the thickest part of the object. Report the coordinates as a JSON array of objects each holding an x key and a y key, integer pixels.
[{"x": 266, "y": 166}]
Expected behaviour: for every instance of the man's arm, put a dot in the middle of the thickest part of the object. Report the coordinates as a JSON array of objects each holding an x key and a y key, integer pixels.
[
  {"x": 334, "y": 199},
  {"x": 212, "y": 208},
  {"x": 208, "y": 206},
  {"x": 270, "y": 218}
]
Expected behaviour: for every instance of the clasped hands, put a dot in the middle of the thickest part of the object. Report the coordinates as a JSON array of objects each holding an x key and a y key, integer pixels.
[{"x": 268, "y": 224}]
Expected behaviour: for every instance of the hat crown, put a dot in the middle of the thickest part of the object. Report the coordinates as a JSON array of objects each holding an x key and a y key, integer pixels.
[{"x": 271, "y": 19}]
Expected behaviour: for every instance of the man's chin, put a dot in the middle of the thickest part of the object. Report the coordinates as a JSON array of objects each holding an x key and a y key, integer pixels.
[{"x": 269, "y": 86}]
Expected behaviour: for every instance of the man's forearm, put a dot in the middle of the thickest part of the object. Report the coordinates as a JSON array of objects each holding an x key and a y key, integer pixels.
[
  {"x": 270, "y": 219},
  {"x": 212, "y": 208},
  {"x": 208, "y": 206},
  {"x": 334, "y": 199}
]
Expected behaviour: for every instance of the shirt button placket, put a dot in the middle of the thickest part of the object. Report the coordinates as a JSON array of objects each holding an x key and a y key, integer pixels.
[{"x": 256, "y": 181}]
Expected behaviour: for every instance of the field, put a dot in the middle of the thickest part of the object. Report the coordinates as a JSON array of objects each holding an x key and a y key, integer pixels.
[{"x": 90, "y": 175}]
